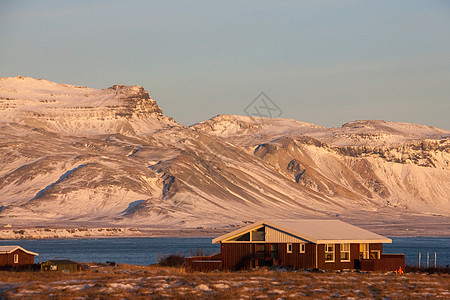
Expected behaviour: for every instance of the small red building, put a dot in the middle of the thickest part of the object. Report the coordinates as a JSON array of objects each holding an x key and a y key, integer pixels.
[
  {"x": 301, "y": 244},
  {"x": 16, "y": 256}
]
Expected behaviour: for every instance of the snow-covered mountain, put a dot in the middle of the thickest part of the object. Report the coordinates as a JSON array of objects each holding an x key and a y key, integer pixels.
[
  {"x": 81, "y": 111},
  {"x": 72, "y": 155},
  {"x": 382, "y": 163}
]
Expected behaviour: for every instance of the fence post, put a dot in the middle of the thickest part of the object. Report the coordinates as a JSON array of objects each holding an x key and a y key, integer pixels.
[
  {"x": 435, "y": 260},
  {"x": 420, "y": 256},
  {"x": 428, "y": 259}
]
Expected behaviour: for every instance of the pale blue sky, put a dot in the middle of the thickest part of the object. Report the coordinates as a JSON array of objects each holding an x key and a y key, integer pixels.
[{"x": 325, "y": 62}]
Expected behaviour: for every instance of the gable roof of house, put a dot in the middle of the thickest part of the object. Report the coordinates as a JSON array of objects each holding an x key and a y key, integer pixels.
[
  {"x": 11, "y": 248},
  {"x": 313, "y": 230}
]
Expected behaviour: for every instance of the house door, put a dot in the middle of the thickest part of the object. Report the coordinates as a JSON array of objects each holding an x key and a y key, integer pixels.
[
  {"x": 260, "y": 254},
  {"x": 263, "y": 255}
]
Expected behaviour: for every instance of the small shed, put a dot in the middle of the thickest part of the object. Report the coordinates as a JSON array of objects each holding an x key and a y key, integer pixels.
[
  {"x": 62, "y": 265},
  {"x": 13, "y": 255}
]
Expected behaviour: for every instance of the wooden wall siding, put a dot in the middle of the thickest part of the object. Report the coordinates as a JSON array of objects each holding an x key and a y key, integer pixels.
[
  {"x": 378, "y": 246},
  {"x": 217, "y": 256},
  {"x": 24, "y": 258},
  {"x": 387, "y": 262},
  {"x": 275, "y": 236},
  {"x": 3, "y": 260},
  {"x": 244, "y": 256},
  {"x": 296, "y": 259},
  {"x": 237, "y": 256},
  {"x": 204, "y": 265},
  {"x": 338, "y": 264},
  {"x": 64, "y": 267}
]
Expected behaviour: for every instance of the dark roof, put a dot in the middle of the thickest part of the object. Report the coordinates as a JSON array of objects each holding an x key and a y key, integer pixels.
[{"x": 60, "y": 262}]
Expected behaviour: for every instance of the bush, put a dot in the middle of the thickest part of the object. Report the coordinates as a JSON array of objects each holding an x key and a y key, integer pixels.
[
  {"x": 22, "y": 268},
  {"x": 429, "y": 270},
  {"x": 172, "y": 260},
  {"x": 198, "y": 252}
]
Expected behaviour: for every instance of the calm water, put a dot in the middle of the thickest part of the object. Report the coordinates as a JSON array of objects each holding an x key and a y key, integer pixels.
[
  {"x": 411, "y": 246},
  {"x": 145, "y": 251}
]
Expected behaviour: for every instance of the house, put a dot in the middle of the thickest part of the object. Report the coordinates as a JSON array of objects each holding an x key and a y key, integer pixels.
[
  {"x": 63, "y": 265},
  {"x": 16, "y": 256},
  {"x": 302, "y": 244}
]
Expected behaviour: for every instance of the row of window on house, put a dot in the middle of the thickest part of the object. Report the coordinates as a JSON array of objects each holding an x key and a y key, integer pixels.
[{"x": 345, "y": 252}]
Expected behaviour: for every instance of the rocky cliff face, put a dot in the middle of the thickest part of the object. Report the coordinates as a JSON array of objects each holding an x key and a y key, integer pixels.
[
  {"x": 81, "y": 156},
  {"x": 382, "y": 164},
  {"x": 408, "y": 176},
  {"x": 68, "y": 109}
]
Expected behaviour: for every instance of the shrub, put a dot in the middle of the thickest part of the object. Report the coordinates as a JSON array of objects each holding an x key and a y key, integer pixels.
[
  {"x": 429, "y": 270},
  {"x": 198, "y": 252},
  {"x": 172, "y": 260},
  {"x": 21, "y": 268}
]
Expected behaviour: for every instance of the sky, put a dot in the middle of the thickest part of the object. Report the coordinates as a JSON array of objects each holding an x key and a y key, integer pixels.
[{"x": 324, "y": 62}]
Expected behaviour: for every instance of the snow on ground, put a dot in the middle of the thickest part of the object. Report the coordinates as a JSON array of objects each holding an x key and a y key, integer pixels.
[
  {"x": 46, "y": 233},
  {"x": 148, "y": 282}
]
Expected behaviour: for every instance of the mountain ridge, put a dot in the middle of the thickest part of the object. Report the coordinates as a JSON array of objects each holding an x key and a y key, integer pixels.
[
  {"x": 70, "y": 109},
  {"x": 118, "y": 160}
]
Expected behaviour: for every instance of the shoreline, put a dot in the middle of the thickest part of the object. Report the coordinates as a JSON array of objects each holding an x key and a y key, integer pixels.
[{"x": 41, "y": 233}]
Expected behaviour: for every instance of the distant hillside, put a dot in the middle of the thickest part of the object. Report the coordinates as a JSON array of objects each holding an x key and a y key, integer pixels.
[{"x": 82, "y": 156}]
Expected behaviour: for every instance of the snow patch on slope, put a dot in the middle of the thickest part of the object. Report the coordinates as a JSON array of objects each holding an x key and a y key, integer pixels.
[{"x": 75, "y": 110}]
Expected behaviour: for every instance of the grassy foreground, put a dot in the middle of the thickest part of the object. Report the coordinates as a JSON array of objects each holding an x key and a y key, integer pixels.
[{"x": 137, "y": 282}]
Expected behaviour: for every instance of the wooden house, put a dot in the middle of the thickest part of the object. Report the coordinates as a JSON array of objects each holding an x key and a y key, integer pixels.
[
  {"x": 63, "y": 265},
  {"x": 16, "y": 256},
  {"x": 301, "y": 244}
]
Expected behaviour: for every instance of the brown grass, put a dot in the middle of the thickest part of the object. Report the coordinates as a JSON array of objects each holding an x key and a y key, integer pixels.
[{"x": 156, "y": 282}]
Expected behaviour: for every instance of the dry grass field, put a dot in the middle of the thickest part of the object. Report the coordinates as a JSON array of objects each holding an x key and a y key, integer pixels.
[{"x": 138, "y": 282}]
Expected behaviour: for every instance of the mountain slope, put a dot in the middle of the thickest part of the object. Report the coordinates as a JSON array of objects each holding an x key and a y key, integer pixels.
[
  {"x": 69, "y": 109},
  {"x": 79, "y": 156},
  {"x": 386, "y": 163}
]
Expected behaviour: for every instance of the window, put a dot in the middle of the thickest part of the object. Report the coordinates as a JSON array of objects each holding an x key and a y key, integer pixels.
[
  {"x": 329, "y": 252},
  {"x": 16, "y": 258},
  {"x": 259, "y": 235},
  {"x": 302, "y": 248},
  {"x": 274, "y": 251},
  {"x": 363, "y": 251},
  {"x": 375, "y": 254},
  {"x": 345, "y": 252},
  {"x": 242, "y": 238},
  {"x": 289, "y": 248}
]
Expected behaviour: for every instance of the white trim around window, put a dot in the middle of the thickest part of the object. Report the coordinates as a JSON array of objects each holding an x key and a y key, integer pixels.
[
  {"x": 329, "y": 252},
  {"x": 364, "y": 251},
  {"x": 375, "y": 254},
  {"x": 289, "y": 247},
  {"x": 16, "y": 258},
  {"x": 302, "y": 248},
  {"x": 345, "y": 252}
]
